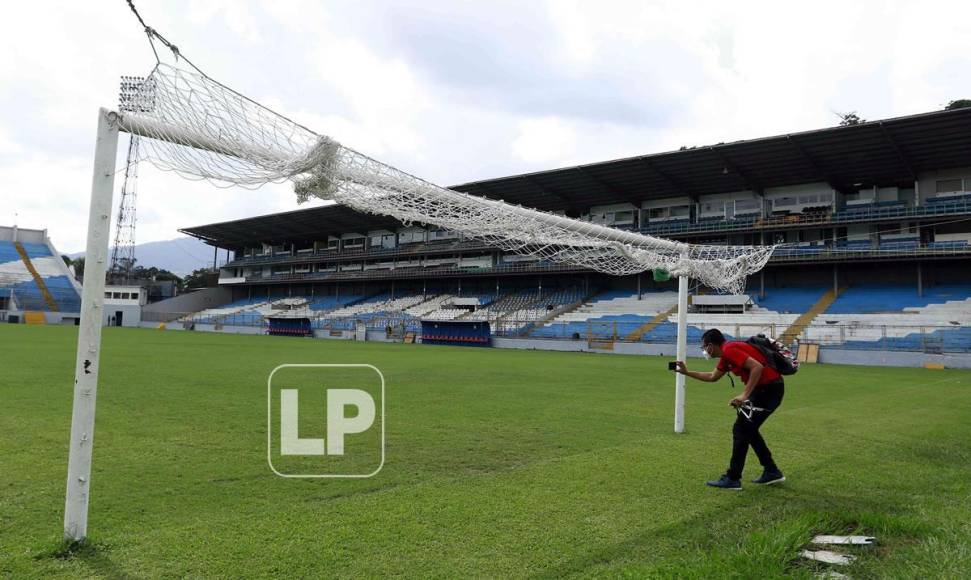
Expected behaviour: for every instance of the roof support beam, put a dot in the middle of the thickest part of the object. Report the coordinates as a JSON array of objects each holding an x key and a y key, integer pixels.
[
  {"x": 819, "y": 169},
  {"x": 665, "y": 176},
  {"x": 608, "y": 188},
  {"x": 896, "y": 149},
  {"x": 547, "y": 191},
  {"x": 750, "y": 183},
  {"x": 491, "y": 192}
]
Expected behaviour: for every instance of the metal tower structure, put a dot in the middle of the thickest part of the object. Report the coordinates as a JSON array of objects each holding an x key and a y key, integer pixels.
[
  {"x": 123, "y": 252},
  {"x": 133, "y": 97}
]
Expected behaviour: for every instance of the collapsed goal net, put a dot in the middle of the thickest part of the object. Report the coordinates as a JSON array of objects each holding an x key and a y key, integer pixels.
[{"x": 202, "y": 129}]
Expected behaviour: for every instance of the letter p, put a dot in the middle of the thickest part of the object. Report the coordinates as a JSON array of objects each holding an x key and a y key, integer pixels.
[{"x": 338, "y": 424}]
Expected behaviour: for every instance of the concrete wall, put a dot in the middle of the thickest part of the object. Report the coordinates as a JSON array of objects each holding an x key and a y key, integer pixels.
[
  {"x": 841, "y": 356},
  {"x": 26, "y": 236},
  {"x": 227, "y": 329},
  {"x": 65, "y": 318},
  {"x": 192, "y": 301},
  {"x": 827, "y": 355},
  {"x": 131, "y": 315},
  {"x": 928, "y": 180},
  {"x": 338, "y": 334},
  {"x": 636, "y": 348},
  {"x": 154, "y": 325}
]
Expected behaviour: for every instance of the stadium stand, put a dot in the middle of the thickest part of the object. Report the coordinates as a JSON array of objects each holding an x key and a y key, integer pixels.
[
  {"x": 35, "y": 275},
  {"x": 515, "y": 311},
  {"x": 870, "y": 298},
  {"x": 375, "y": 305},
  {"x": 887, "y": 316},
  {"x": 790, "y": 300},
  {"x": 610, "y": 314},
  {"x": 430, "y": 305},
  {"x": 236, "y": 310},
  {"x": 858, "y": 240},
  {"x": 447, "y": 309},
  {"x": 329, "y": 303}
]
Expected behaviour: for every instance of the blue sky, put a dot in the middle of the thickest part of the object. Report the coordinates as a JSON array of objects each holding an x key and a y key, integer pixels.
[{"x": 457, "y": 91}]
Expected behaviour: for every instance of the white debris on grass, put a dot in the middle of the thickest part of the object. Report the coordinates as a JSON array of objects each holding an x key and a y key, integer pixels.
[
  {"x": 845, "y": 540},
  {"x": 828, "y": 557}
]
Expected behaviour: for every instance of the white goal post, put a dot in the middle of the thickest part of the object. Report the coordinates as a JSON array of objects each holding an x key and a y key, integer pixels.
[
  {"x": 88, "y": 359},
  {"x": 200, "y": 128}
]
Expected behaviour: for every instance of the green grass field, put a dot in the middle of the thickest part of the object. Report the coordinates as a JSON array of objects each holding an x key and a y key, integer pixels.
[{"x": 499, "y": 464}]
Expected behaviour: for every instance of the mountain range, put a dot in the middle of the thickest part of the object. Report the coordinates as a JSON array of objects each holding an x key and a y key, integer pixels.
[{"x": 180, "y": 255}]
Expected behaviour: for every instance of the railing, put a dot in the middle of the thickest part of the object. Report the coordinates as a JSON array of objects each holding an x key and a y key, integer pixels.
[
  {"x": 808, "y": 253},
  {"x": 930, "y": 339},
  {"x": 318, "y": 321},
  {"x": 792, "y": 254},
  {"x": 411, "y": 249},
  {"x": 859, "y": 214},
  {"x": 740, "y": 224},
  {"x": 418, "y": 272}
]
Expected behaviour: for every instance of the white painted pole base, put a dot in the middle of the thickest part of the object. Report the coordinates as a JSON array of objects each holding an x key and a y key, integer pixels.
[
  {"x": 682, "y": 352},
  {"x": 89, "y": 333}
]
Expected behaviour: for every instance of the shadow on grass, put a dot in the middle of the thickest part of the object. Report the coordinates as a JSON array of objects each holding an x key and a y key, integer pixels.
[{"x": 93, "y": 555}]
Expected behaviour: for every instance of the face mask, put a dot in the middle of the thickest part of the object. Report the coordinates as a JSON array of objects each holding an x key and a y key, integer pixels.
[{"x": 704, "y": 353}]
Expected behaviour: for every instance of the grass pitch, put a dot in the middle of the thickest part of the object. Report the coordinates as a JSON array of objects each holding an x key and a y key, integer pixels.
[{"x": 499, "y": 463}]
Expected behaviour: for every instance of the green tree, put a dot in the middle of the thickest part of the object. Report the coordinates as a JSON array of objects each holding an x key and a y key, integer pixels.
[
  {"x": 78, "y": 264},
  {"x": 851, "y": 118},
  {"x": 157, "y": 274},
  {"x": 198, "y": 278},
  {"x": 958, "y": 104}
]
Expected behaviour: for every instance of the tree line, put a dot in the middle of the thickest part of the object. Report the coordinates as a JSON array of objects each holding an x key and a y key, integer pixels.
[{"x": 197, "y": 279}]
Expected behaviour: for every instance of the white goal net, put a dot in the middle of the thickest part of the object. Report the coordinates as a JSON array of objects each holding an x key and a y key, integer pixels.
[{"x": 203, "y": 129}]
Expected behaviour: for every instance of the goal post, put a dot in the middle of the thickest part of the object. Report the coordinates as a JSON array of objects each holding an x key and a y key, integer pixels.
[
  {"x": 199, "y": 128},
  {"x": 682, "y": 352},
  {"x": 88, "y": 360}
]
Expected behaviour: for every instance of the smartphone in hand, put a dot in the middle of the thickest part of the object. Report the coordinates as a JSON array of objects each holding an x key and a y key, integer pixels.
[{"x": 672, "y": 366}]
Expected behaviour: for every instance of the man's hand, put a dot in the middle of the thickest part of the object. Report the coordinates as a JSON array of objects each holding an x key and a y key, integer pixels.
[
  {"x": 738, "y": 401},
  {"x": 681, "y": 367}
]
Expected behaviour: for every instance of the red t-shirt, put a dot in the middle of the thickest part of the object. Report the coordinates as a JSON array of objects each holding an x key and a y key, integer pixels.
[{"x": 734, "y": 355}]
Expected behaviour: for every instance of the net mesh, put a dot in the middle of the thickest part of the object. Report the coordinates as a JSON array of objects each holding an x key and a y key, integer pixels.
[{"x": 205, "y": 130}]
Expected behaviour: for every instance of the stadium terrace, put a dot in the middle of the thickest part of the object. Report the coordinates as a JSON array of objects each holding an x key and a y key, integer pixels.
[{"x": 873, "y": 220}]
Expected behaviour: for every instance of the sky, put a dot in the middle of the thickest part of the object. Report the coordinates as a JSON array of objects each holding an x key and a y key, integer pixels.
[{"x": 457, "y": 91}]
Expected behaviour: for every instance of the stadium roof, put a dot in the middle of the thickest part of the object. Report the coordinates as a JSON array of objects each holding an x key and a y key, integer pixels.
[
  {"x": 882, "y": 152},
  {"x": 314, "y": 223}
]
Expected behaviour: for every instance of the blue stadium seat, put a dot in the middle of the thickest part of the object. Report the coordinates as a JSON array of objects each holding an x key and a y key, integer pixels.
[
  {"x": 28, "y": 294},
  {"x": 36, "y": 250},
  {"x": 873, "y": 298},
  {"x": 956, "y": 340},
  {"x": 795, "y": 300},
  {"x": 949, "y": 245},
  {"x": 8, "y": 253}
]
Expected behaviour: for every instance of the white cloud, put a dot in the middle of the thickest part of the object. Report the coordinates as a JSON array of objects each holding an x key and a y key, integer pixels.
[
  {"x": 7, "y": 145},
  {"x": 569, "y": 21},
  {"x": 544, "y": 140},
  {"x": 236, "y": 15}
]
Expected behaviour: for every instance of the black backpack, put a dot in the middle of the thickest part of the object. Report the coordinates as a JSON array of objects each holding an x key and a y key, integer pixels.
[{"x": 778, "y": 357}]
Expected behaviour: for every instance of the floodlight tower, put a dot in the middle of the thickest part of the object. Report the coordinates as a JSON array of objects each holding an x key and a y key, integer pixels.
[
  {"x": 123, "y": 252},
  {"x": 136, "y": 95}
]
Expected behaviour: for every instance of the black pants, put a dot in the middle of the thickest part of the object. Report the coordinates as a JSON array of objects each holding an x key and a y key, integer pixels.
[{"x": 766, "y": 399}]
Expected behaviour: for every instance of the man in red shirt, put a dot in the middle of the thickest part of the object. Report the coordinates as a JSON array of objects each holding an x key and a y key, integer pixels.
[{"x": 764, "y": 390}]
